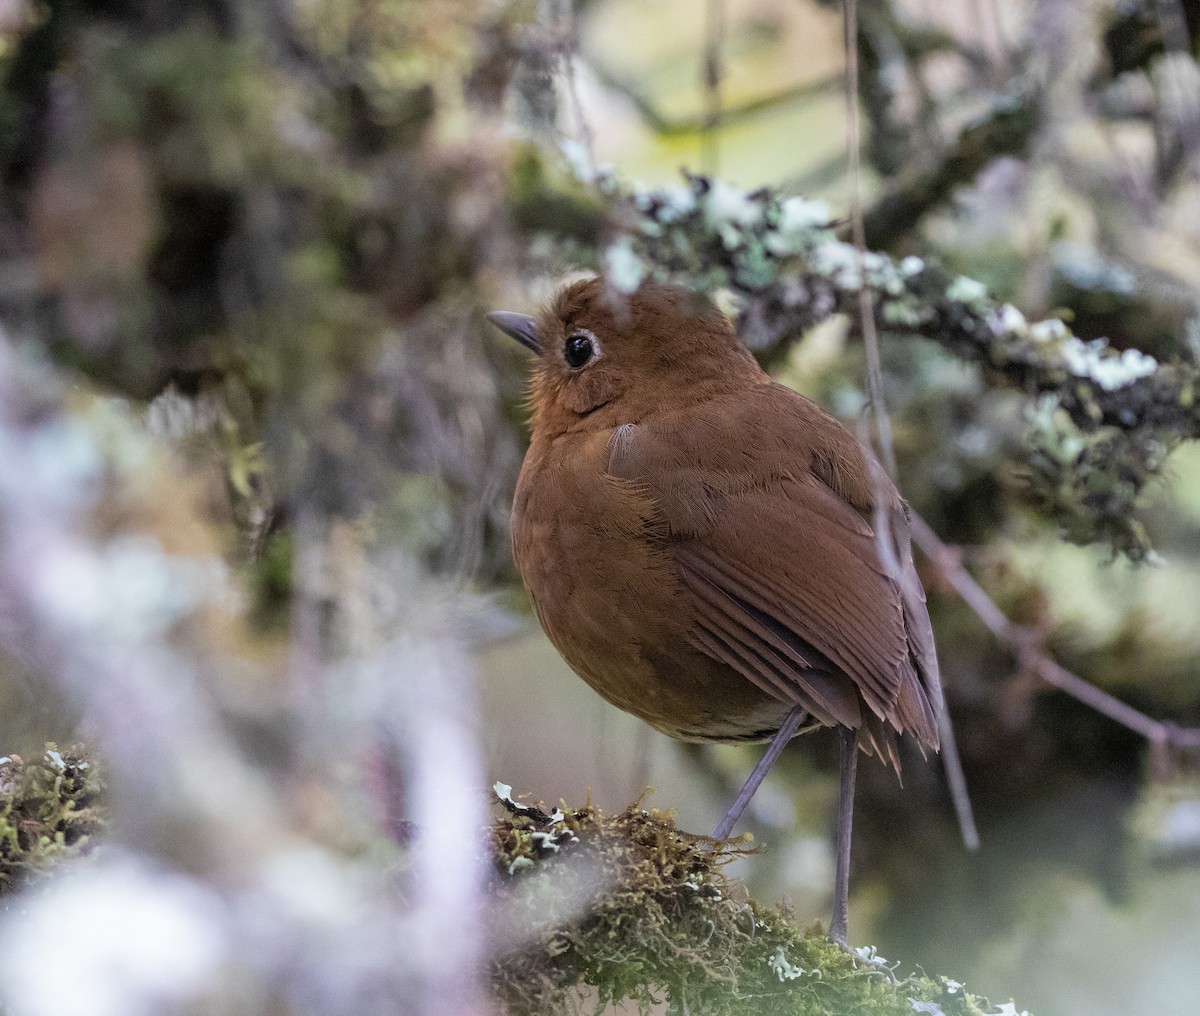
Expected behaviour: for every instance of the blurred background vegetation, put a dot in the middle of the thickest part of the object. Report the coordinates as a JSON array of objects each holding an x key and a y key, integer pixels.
[{"x": 257, "y": 450}]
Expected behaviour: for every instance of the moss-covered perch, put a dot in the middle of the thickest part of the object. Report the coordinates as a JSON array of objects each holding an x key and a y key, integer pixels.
[
  {"x": 629, "y": 907},
  {"x": 50, "y": 811},
  {"x": 590, "y": 909}
]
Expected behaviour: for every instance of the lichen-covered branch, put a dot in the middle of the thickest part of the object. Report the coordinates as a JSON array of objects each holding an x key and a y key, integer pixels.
[{"x": 1101, "y": 420}]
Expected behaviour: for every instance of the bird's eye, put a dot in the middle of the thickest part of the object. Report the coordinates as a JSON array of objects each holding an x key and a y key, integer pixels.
[{"x": 580, "y": 348}]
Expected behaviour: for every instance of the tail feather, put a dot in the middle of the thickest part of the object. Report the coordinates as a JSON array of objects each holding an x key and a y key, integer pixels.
[{"x": 877, "y": 737}]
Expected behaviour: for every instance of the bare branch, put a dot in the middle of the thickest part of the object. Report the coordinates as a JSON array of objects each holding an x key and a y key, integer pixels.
[
  {"x": 866, "y": 301},
  {"x": 666, "y": 126},
  {"x": 569, "y": 43},
  {"x": 1006, "y": 130},
  {"x": 1021, "y": 641},
  {"x": 714, "y": 34},
  {"x": 956, "y": 780}
]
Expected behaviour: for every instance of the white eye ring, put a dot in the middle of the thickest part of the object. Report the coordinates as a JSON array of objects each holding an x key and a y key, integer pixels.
[{"x": 579, "y": 355}]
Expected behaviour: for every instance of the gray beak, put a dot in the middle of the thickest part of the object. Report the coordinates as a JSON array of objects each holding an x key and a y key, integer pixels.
[{"x": 521, "y": 327}]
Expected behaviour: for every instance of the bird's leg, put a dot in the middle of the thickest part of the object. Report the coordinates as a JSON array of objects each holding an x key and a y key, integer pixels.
[
  {"x": 839, "y": 923},
  {"x": 790, "y": 725}
]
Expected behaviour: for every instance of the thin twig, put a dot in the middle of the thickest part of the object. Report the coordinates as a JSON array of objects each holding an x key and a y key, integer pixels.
[
  {"x": 714, "y": 33},
  {"x": 690, "y": 124},
  {"x": 568, "y": 43},
  {"x": 883, "y": 425},
  {"x": 956, "y": 781},
  {"x": 1176, "y": 41},
  {"x": 1020, "y": 640},
  {"x": 1173, "y": 25}
]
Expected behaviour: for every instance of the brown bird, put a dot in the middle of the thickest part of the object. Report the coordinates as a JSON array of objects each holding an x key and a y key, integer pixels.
[{"x": 701, "y": 545}]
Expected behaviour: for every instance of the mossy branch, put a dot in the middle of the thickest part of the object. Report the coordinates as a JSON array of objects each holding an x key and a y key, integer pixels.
[
  {"x": 590, "y": 907},
  {"x": 1102, "y": 421},
  {"x": 631, "y": 908}
]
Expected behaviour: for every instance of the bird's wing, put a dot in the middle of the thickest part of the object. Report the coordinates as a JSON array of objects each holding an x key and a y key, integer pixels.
[{"x": 788, "y": 586}]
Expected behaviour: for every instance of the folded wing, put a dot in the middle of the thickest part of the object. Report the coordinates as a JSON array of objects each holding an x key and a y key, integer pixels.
[{"x": 788, "y": 586}]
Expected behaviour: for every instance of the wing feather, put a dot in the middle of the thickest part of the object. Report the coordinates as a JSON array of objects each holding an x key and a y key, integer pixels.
[
  {"x": 771, "y": 657},
  {"x": 777, "y": 550}
]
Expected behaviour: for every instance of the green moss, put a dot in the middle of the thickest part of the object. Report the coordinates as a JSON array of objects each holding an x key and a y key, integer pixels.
[
  {"x": 50, "y": 811},
  {"x": 629, "y": 907}
]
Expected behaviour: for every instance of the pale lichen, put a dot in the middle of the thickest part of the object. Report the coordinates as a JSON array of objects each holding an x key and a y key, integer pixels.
[
  {"x": 1109, "y": 370},
  {"x": 623, "y": 268}
]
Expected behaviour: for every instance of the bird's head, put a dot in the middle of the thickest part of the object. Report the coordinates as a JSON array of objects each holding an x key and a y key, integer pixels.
[{"x": 606, "y": 358}]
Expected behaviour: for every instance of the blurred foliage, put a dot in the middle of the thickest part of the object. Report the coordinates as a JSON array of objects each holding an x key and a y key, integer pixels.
[
  {"x": 261, "y": 216},
  {"x": 244, "y": 248}
]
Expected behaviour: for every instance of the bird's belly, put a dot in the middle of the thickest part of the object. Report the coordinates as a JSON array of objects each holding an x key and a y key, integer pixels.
[
  {"x": 676, "y": 689},
  {"x": 664, "y": 681},
  {"x": 614, "y": 608}
]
